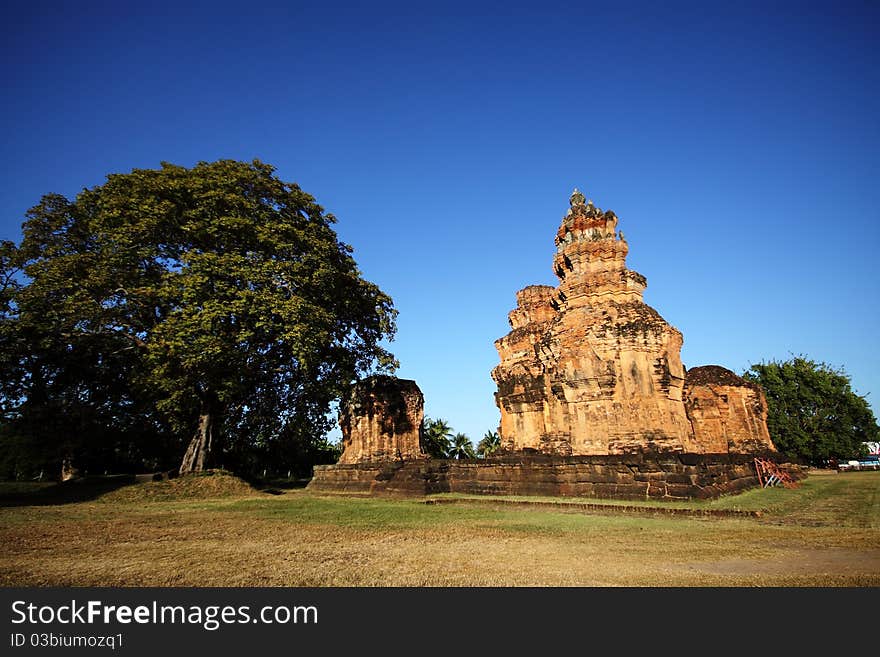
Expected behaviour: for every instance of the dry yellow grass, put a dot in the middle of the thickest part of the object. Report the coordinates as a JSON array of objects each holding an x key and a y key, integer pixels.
[{"x": 826, "y": 533}]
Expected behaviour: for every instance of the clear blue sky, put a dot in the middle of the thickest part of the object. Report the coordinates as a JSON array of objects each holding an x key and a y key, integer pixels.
[{"x": 739, "y": 143}]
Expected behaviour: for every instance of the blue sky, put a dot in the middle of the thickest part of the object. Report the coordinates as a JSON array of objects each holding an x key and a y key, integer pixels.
[{"x": 739, "y": 144}]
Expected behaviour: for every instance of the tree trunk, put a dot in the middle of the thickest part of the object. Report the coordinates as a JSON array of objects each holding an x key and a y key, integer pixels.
[
  {"x": 198, "y": 453},
  {"x": 68, "y": 471}
]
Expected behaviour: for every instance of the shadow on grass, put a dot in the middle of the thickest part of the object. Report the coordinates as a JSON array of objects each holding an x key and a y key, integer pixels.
[
  {"x": 66, "y": 492},
  {"x": 86, "y": 489},
  {"x": 277, "y": 486}
]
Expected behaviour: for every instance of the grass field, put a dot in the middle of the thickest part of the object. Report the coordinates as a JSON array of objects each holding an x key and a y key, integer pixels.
[{"x": 217, "y": 531}]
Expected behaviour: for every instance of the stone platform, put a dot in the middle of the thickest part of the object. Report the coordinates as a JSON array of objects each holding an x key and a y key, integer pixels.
[{"x": 675, "y": 476}]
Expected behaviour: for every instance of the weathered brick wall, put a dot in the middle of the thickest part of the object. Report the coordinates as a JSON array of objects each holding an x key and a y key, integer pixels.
[{"x": 673, "y": 476}]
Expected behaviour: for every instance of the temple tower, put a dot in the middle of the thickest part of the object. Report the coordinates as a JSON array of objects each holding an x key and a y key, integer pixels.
[{"x": 588, "y": 367}]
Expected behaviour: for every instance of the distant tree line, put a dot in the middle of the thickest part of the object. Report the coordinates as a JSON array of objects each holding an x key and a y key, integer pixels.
[
  {"x": 181, "y": 318},
  {"x": 441, "y": 443}
]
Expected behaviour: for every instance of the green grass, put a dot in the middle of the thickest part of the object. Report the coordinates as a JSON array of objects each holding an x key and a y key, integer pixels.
[
  {"x": 361, "y": 513},
  {"x": 824, "y": 533},
  {"x": 845, "y": 500}
]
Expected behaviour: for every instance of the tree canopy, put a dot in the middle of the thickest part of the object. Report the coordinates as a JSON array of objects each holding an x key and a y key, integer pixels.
[
  {"x": 489, "y": 444},
  {"x": 813, "y": 413},
  {"x": 461, "y": 447},
  {"x": 437, "y": 437},
  {"x": 439, "y": 442},
  {"x": 211, "y": 306}
]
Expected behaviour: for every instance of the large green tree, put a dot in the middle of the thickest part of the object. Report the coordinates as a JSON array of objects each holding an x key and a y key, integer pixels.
[
  {"x": 813, "y": 412},
  {"x": 65, "y": 392},
  {"x": 217, "y": 300}
]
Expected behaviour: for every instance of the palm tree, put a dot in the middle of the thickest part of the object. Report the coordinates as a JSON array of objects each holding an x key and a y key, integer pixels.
[
  {"x": 490, "y": 443},
  {"x": 436, "y": 438},
  {"x": 462, "y": 447}
]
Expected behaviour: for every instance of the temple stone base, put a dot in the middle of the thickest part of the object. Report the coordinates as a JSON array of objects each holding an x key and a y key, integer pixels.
[{"x": 674, "y": 476}]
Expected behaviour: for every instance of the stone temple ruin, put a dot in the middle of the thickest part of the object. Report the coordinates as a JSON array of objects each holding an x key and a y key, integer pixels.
[
  {"x": 594, "y": 398},
  {"x": 589, "y": 368},
  {"x": 381, "y": 420}
]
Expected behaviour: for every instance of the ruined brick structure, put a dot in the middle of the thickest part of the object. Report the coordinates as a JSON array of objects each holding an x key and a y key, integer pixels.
[
  {"x": 727, "y": 413},
  {"x": 588, "y": 368},
  {"x": 672, "y": 476},
  {"x": 381, "y": 420},
  {"x": 593, "y": 395}
]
